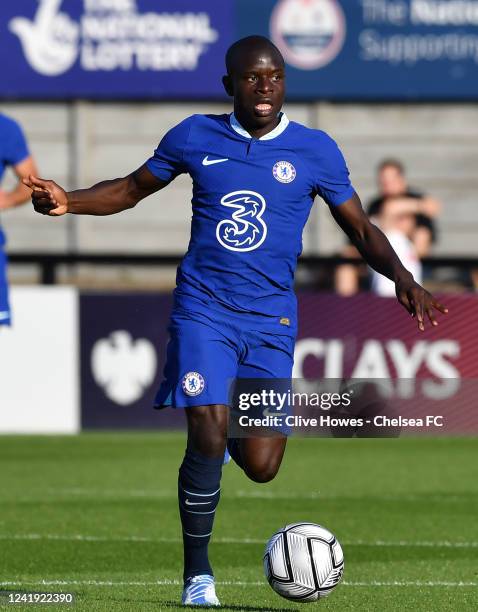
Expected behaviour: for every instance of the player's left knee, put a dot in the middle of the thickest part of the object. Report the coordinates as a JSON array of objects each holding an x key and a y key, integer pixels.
[{"x": 261, "y": 474}]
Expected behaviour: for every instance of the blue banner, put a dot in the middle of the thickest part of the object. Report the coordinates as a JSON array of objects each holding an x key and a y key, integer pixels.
[
  {"x": 160, "y": 49},
  {"x": 372, "y": 49},
  {"x": 113, "y": 48}
]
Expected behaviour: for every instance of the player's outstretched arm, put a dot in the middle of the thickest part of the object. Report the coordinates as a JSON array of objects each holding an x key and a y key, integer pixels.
[
  {"x": 19, "y": 194},
  {"x": 379, "y": 254},
  {"x": 105, "y": 198}
]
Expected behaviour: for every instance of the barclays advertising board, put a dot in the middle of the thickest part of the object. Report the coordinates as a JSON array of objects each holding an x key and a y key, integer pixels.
[{"x": 160, "y": 49}]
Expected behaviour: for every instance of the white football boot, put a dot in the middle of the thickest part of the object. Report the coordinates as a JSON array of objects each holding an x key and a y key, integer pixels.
[{"x": 200, "y": 591}]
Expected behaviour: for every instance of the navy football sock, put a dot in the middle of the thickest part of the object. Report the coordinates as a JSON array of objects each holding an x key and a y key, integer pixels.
[
  {"x": 233, "y": 446},
  {"x": 198, "y": 493}
]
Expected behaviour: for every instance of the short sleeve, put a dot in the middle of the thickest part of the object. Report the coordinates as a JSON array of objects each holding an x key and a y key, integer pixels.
[
  {"x": 17, "y": 149},
  {"x": 332, "y": 175},
  {"x": 168, "y": 160}
]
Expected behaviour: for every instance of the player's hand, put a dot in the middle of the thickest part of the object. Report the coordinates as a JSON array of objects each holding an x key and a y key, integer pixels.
[
  {"x": 419, "y": 303},
  {"x": 48, "y": 198}
]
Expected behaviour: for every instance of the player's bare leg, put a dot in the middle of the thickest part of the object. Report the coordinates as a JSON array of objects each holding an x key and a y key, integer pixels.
[
  {"x": 259, "y": 456},
  {"x": 207, "y": 429},
  {"x": 262, "y": 456},
  {"x": 198, "y": 493}
]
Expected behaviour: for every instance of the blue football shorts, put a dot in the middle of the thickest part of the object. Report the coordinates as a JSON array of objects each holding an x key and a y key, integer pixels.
[
  {"x": 5, "y": 315},
  {"x": 207, "y": 353}
]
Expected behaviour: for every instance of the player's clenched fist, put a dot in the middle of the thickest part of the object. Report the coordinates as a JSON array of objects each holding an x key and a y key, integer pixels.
[{"x": 48, "y": 198}]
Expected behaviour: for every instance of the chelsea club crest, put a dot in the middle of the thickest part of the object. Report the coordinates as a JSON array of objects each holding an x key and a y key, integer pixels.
[
  {"x": 284, "y": 172},
  {"x": 193, "y": 383}
]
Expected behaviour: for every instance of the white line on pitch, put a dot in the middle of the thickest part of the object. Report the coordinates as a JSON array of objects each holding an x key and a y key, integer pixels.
[
  {"x": 373, "y": 583},
  {"x": 226, "y": 540},
  {"x": 418, "y": 544},
  {"x": 54, "y": 494},
  {"x": 411, "y": 583}
]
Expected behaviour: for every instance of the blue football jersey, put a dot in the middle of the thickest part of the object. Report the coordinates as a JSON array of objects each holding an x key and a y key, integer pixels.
[
  {"x": 251, "y": 200},
  {"x": 13, "y": 149}
]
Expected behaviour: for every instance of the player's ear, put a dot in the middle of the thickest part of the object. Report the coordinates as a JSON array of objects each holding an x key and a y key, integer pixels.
[{"x": 227, "y": 82}]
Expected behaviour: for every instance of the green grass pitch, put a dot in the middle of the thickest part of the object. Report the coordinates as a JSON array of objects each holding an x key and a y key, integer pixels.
[{"x": 96, "y": 515}]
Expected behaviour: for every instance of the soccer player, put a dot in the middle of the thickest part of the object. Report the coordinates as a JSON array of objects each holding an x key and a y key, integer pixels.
[
  {"x": 255, "y": 176},
  {"x": 14, "y": 153}
]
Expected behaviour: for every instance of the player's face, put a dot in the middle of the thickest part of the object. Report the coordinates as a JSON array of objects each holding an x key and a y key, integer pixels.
[{"x": 258, "y": 88}]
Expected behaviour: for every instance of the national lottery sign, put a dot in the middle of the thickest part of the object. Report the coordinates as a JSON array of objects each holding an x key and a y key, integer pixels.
[
  {"x": 160, "y": 49},
  {"x": 113, "y": 48}
]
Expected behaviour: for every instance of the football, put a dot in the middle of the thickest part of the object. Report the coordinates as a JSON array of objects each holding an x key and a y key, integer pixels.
[{"x": 303, "y": 562}]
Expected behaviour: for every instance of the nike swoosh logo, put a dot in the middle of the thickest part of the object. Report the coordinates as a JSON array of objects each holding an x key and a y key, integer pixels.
[
  {"x": 210, "y": 162},
  {"x": 188, "y": 503}
]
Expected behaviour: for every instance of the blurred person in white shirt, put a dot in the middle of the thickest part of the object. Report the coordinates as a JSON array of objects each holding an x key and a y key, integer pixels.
[
  {"x": 392, "y": 184},
  {"x": 397, "y": 220}
]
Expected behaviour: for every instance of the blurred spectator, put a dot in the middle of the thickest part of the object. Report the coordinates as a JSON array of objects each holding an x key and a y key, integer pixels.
[
  {"x": 14, "y": 153},
  {"x": 392, "y": 182},
  {"x": 421, "y": 230},
  {"x": 397, "y": 220},
  {"x": 349, "y": 277}
]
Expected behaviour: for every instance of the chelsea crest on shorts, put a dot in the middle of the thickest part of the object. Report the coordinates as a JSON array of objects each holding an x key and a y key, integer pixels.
[{"x": 193, "y": 384}]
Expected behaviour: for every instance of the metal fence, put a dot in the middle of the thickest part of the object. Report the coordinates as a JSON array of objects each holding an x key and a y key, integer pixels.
[{"x": 313, "y": 271}]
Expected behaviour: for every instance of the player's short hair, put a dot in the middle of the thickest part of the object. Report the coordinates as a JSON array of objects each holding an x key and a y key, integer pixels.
[
  {"x": 391, "y": 162},
  {"x": 244, "y": 44}
]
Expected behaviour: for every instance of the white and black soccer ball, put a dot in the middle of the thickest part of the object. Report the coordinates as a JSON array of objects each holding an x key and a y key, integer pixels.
[{"x": 303, "y": 562}]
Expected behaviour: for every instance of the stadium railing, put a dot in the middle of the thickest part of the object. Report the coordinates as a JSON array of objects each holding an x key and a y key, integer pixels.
[{"x": 460, "y": 268}]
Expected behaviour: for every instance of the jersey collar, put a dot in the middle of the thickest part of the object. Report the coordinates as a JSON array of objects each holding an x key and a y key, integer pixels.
[{"x": 277, "y": 131}]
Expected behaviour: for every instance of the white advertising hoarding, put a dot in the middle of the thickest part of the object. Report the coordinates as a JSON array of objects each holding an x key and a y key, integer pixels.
[{"x": 39, "y": 362}]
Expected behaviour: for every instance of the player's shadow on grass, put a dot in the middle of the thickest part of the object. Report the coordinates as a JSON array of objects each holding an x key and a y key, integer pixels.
[{"x": 174, "y": 604}]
